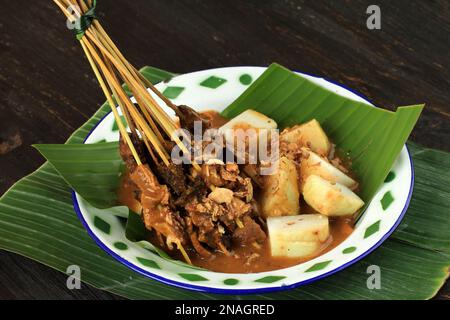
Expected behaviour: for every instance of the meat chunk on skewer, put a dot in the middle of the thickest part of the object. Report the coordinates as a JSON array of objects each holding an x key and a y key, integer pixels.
[
  {"x": 157, "y": 213},
  {"x": 173, "y": 176},
  {"x": 127, "y": 155},
  {"x": 250, "y": 233},
  {"x": 211, "y": 210},
  {"x": 189, "y": 116}
]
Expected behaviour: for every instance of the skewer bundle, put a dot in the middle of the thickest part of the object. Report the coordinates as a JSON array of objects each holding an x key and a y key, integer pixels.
[{"x": 146, "y": 119}]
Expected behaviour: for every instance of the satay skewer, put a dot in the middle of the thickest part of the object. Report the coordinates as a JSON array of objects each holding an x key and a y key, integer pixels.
[{"x": 107, "y": 63}]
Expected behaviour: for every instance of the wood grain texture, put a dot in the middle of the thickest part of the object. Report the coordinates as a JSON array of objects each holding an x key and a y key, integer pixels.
[{"x": 47, "y": 89}]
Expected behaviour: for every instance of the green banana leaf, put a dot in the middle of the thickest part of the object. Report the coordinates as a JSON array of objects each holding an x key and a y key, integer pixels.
[
  {"x": 37, "y": 220},
  {"x": 93, "y": 170}
]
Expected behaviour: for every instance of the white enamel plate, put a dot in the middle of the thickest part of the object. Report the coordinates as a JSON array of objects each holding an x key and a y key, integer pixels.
[{"x": 215, "y": 89}]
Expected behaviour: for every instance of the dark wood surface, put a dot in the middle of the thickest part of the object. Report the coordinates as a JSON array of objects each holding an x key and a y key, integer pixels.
[{"x": 47, "y": 89}]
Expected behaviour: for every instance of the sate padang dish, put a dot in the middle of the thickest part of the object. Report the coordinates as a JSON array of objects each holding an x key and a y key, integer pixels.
[{"x": 228, "y": 217}]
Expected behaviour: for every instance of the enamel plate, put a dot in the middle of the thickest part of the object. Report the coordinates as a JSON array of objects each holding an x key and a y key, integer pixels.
[{"x": 215, "y": 89}]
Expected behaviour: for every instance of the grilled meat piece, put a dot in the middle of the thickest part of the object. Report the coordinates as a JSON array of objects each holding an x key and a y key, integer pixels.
[
  {"x": 250, "y": 233},
  {"x": 173, "y": 176},
  {"x": 188, "y": 116},
  {"x": 195, "y": 188},
  {"x": 157, "y": 213},
  {"x": 194, "y": 239},
  {"x": 238, "y": 208},
  {"x": 127, "y": 155}
]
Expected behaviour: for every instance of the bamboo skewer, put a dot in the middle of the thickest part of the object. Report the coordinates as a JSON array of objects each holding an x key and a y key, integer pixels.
[
  {"x": 111, "y": 70},
  {"x": 162, "y": 118},
  {"x": 146, "y": 130},
  {"x": 105, "y": 89},
  {"x": 131, "y": 68},
  {"x": 111, "y": 103},
  {"x": 166, "y": 123},
  {"x": 143, "y": 118}
]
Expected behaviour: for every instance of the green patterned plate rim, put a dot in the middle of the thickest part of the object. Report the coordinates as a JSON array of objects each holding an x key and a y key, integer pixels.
[{"x": 215, "y": 89}]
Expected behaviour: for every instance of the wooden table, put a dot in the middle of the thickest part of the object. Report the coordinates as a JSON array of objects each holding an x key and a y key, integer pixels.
[{"x": 47, "y": 89}]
